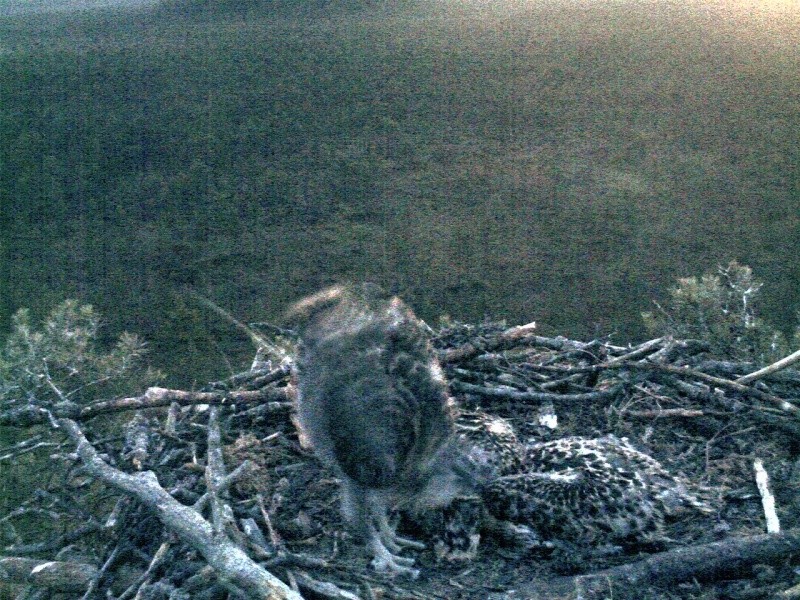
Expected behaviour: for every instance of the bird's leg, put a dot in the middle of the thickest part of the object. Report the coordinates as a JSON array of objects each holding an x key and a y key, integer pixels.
[
  {"x": 385, "y": 561},
  {"x": 364, "y": 510},
  {"x": 391, "y": 540},
  {"x": 354, "y": 506},
  {"x": 381, "y": 539}
]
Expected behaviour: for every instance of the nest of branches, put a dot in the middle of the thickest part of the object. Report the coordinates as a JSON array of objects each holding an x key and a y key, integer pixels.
[{"x": 211, "y": 494}]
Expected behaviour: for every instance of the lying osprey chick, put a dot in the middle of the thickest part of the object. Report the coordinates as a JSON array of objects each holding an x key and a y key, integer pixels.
[
  {"x": 593, "y": 491},
  {"x": 373, "y": 402}
]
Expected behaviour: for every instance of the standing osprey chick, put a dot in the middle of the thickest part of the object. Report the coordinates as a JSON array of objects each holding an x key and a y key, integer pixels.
[{"x": 373, "y": 402}]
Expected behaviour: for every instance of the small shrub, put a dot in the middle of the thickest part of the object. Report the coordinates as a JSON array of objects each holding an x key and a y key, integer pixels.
[
  {"x": 721, "y": 308},
  {"x": 62, "y": 360},
  {"x": 57, "y": 361}
]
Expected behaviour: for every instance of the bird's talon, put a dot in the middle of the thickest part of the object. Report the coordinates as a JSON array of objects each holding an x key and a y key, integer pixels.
[
  {"x": 395, "y": 565},
  {"x": 407, "y": 543},
  {"x": 404, "y": 560}
]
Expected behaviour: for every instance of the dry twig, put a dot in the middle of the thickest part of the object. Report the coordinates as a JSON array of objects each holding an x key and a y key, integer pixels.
[{"x": 768, "y": 370}]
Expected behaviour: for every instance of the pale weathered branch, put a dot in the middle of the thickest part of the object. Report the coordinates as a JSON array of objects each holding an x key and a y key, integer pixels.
[
  {"x": 258, "y": 341},
  {"x": 664, "y": 413},
  {"x": 221, "y": 515},
  {"x": 723, "y": 383},
  {"x": 228, "y": 560},
  {"x": 529, "y": 396},
  {"x": 767, "y": 498},
  {"x": 278, "y": 400},
  {"x": 638, "y": 352},
  {"x": 323, "y": 589},
  {"x": 91, "y": 589},
  {"x": 57, "y": 576},
  {"x": 683, "y": 372},
  {"x": 156, "y": 397},
  {"x": 776, "y": 366},
  {"x": 510, "y": 338},
  {"x": 225, "y": 482},
  {"x": 158, "y": 559}
]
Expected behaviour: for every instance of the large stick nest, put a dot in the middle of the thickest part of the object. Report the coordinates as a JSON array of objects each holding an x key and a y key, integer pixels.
[{"x": 241, "y": 508}]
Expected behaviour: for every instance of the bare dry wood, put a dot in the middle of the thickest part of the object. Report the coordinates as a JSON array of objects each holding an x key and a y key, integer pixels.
[
  {"x": 718, "y": 381},
  {"x": 791, "y": 594},
  {"x": 665, "y": 413},
  {"x": 157, "y": 560},
  {"x": 227, "y": 559},
  {"x": 277, "y": 399},
  {"x": 514, "y": 337},
  {"x": 531, "y": 396},
  {"x": 683, "y": 372},
  {"x": 57, "y": 576},
  {"x": 767, "y": 497},
  {"x": 156, "y": 397},
  {"x": 259, "y": 341},
  {"x": 638, "y": 352},
  {"x": 322, "y": 589},
  {"x": 705, "y": 562},
  {"x": 773, "y": 368}
]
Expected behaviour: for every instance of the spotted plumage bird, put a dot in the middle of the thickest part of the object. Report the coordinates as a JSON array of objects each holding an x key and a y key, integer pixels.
[
  {"x": 491, "y": 440},
  {"x": 592, "y": 491},
  {"x": 495, "y": 451},
  {"x": 373, "y": 402}
]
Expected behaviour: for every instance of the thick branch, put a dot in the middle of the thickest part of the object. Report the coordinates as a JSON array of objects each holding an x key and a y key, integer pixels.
[
  {"x": 528, "y": 396},
  {"x": 706, "y": 562},
  {"x": 157, "y": 397},
  {"x": 228, "y": 560},
  {"x": 776, "y": 366},
  {"x": 277, "y": 398}
]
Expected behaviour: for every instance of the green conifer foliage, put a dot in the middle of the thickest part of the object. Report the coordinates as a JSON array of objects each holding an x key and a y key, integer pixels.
[{"x": 723, "y": 309}]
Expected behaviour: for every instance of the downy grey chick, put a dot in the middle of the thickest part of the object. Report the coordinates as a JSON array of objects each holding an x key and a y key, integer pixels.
[
  {"x": 456, "y": 529},
  {"x": 373, "y": 402}
]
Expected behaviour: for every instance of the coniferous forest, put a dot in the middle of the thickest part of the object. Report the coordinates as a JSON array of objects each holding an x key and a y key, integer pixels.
[{"x": 557, "y": 161}]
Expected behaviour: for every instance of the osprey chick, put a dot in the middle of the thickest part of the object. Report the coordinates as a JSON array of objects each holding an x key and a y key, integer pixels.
[
  {"x": 593, "y": 490},
  {"x": 373, "y": 402}
]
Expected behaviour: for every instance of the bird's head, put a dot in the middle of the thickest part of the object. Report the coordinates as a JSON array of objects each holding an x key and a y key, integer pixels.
[{"x": 455, "y": 471}]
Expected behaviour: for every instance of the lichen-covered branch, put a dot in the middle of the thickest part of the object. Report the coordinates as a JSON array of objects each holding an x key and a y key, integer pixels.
[{"x": 277, "y": 399}]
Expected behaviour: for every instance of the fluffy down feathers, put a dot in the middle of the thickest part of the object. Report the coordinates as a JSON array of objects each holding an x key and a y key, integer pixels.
[{"x": 373, "y": 402}]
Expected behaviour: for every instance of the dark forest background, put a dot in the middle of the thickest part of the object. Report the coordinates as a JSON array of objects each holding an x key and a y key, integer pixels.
[{"x": 561, "y": 162}]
